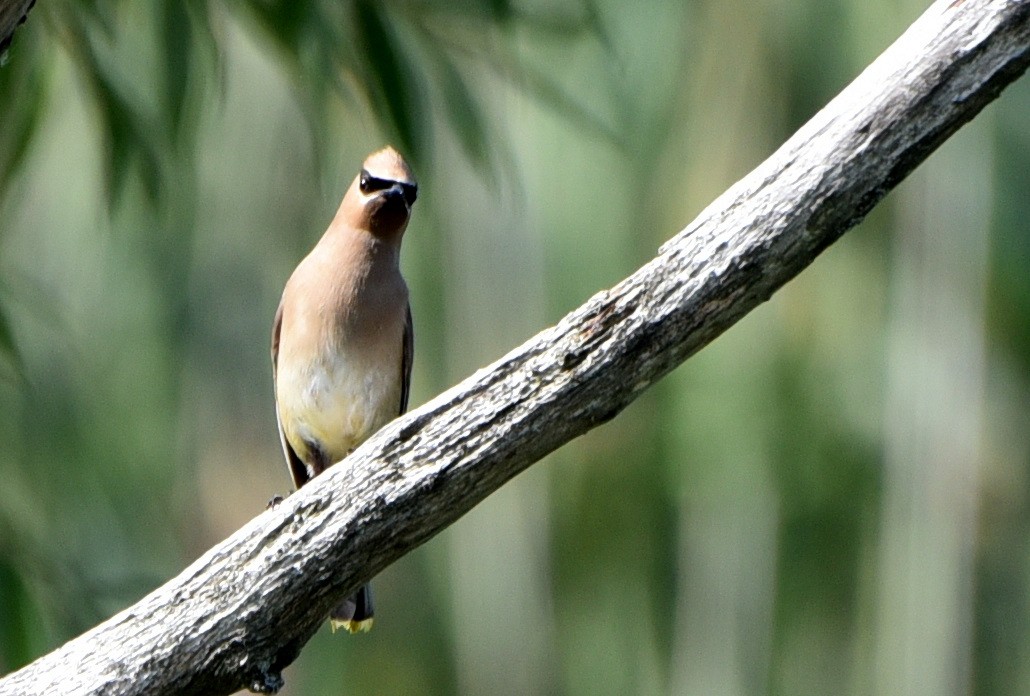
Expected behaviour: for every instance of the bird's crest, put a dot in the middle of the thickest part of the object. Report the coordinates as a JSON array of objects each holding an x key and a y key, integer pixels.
[{"x": 389, "y": 165}]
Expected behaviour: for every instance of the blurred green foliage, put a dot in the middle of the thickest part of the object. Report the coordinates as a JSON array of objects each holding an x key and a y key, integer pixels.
[{"x": 832, "y": 498}]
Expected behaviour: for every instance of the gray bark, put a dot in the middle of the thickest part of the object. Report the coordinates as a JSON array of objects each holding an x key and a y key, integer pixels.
[
  {"x": 244, "y": 610},
  {"x": 12, "y": 14}
]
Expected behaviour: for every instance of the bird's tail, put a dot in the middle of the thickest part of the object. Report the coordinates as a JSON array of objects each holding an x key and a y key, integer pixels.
[{"x": 354, "y": 613}]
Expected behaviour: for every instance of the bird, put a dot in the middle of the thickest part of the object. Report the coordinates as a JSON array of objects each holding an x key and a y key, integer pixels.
[{"x": 342, "y": 338}]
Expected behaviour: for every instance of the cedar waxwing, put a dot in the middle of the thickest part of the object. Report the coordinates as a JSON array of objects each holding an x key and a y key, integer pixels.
[{"x": 342, "y": 340}]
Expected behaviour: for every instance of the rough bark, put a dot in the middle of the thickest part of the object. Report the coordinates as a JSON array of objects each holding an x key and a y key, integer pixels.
[
  {"x": 12, "y": 14},
  {"x": 243, "y": 611}
]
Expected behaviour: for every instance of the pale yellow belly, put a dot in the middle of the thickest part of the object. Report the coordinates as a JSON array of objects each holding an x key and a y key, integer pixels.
[{"x": 338, "y": 402}]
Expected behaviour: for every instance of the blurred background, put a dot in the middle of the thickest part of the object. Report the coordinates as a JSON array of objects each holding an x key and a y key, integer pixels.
[{"x": 832, "y": 498}]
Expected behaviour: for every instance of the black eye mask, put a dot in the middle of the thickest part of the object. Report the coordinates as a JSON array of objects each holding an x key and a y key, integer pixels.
[{"x": 369, "y": 183}]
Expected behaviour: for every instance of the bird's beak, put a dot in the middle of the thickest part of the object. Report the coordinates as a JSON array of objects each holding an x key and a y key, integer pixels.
[
  {"x": 396, "y": 192},
  {"x": 406, "y": 191}
]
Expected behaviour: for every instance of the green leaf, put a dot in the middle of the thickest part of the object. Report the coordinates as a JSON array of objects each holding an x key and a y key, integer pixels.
[
  {"x": 8, "y": 346},
  {"x": 23, "y": 86},
  {"x": 124, "y": 132},
  {"x": 501, "y": 9},
  {"x": 177, "y": 48},
  {"x": 10, "y": 354},
  {"x": 283, "y": 22},
  {"x": 394, "y": 94},
  {"x": 129, "y": 136},
  {"x": 16, "y": 613},
  {"x": 463, "y": 113}
]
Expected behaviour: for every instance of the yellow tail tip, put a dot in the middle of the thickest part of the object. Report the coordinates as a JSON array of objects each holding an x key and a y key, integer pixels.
[{"x": 363, "y": 626}]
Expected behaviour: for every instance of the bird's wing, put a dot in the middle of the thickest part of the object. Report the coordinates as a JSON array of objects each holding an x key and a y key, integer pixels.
[
  {"x": 298, "y": 471},
  {"x": 407, "y": 358}
]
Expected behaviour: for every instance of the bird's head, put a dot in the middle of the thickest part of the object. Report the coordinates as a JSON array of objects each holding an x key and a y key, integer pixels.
[{"x": 381, "y": 197}]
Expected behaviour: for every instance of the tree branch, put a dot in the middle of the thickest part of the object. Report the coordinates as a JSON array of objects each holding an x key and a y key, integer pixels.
[
  {"x": 12, "y": 14},
  {"x": 242, "y": 612}
]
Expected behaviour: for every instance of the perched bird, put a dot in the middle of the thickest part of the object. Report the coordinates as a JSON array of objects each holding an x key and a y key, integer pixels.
[{"x": 342, "y": 340}]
